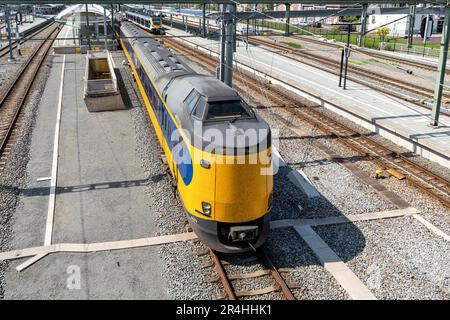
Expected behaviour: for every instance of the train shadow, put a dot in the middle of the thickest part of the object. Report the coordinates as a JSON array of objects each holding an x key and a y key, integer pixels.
[{"x": 286, "y": 247}]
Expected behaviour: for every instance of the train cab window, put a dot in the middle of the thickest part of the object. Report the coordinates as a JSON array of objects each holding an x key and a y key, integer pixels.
[
  {"x": 199, "y": 108},
  {"x": 156, "y": 21},
  {"x": 228, "y": 109},
  {"x": 191, "y": 100}
]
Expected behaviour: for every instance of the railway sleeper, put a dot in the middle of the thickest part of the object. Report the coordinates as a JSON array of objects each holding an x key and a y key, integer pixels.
[
  {"x": 250, "y": 275},
  {"x": 256, "y": 292}
]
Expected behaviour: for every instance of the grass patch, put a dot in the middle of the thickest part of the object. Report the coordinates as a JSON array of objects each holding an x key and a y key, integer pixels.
[
  {"x": 293, "y": 45},
  {"x": 360, "y": 63}
]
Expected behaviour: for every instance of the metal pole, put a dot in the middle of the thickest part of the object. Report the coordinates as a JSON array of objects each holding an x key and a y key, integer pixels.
[
  {"x": 234, "y": 22},
  {"x": 8, "y": 26},
  {"x": 222, "y": 44},
  {"x": 246, "y": 33},
  {"x": 425, "y": 35},
  {"x": 287, "y": 18},
  {"x": 362, "y": 32},
  {"x": 105, "y": 28},
  {"x": 445, "y": 38},
  {"x": 204, "y": 21},
  {"x": 88, "y": 36},
  {"x": 412, "y": 21},
  {"x": 347, "y": 54},
  {"x": 229, "y": 45},
  {"x": 112, "y": 28},
  {"x": 341, "y": 69}
]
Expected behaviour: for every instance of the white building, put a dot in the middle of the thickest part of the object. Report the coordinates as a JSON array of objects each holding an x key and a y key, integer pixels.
[{"x": 398, "y": 24}]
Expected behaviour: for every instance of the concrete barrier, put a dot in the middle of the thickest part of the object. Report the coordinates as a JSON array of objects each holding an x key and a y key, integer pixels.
[{"x": 101, "y": 92}]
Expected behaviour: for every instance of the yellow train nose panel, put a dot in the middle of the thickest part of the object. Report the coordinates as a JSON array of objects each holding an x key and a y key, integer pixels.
[{"x": 242, "y": 190}]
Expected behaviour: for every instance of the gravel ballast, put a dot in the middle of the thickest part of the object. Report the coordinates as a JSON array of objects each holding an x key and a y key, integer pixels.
[{"x": 395, "y": 258}]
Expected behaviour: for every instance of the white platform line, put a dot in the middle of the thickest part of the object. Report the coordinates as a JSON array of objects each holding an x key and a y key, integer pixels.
[
  {"x": 301, "y": 181},
  {"x": 344, "y": 219},
  {"x": 333, "y": 264},
  {"x": 93, "y": 247},
  {"x": 432, "y": 227},
  {"x": 43, "y": 179},
  {"x": 52, "y": 196},
  {"x": 31, "y": 261},
  {"x": 280, "y": 160}
]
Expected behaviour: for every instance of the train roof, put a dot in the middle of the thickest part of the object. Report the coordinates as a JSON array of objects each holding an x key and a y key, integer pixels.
[
  {"x": 141, "y": 15},
  {"x": 161, "y": 59},
  {"x": 212, "y": 89}
]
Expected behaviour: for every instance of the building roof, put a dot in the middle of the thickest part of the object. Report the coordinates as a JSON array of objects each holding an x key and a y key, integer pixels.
[{"x": 81, "y": 8}]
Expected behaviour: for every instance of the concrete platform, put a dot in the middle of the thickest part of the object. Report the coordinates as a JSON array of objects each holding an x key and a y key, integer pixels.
[
  {"x": 100, "y": 196},
  {"x": 69, "y": 30},
  {"x": 37, "y": 21},
  {"x": 403, "y": 123}
]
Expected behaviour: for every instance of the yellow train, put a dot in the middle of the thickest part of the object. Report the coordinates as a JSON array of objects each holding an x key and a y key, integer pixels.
[
  {"x": 217, "y": 148},
  {"x": 152, "y": 24}
]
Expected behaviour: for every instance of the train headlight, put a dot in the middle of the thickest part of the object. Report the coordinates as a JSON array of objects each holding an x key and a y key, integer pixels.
[{"x": 206, "y": 208}]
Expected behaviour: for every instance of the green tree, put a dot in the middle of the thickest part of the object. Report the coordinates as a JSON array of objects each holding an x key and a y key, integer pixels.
[
  {"x": 382, "y": 33},
  {"x": 350, "y": 19}
]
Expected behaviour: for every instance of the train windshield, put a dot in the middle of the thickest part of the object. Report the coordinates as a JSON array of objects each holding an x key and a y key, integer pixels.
[
  {"x": 228, "y": 109},
  {"x": 156, "y": 21}
]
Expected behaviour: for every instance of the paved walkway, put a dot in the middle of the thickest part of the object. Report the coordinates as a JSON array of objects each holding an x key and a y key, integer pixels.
[{"x": 100, "y": 197}]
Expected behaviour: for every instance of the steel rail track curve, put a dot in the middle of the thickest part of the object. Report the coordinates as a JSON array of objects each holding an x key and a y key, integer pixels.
[
  {"x": 13, "y": 100},
  {"x": 5, "y": 50}
]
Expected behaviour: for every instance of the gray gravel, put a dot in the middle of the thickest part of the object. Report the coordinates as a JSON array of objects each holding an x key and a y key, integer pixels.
[
  {"x": 186, "y": 277},
  {"x": 290, "y": 253},
  {"x": 395, "y": 258},
  {"x": 334, "y": 182},
  {"x": 14, "y": 175}
]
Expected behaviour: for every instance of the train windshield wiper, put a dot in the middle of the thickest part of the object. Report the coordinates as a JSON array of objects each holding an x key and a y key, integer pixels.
[{"x": 234, "y": 119}]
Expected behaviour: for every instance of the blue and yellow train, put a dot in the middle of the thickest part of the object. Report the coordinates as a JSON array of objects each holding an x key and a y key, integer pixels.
[
  {"x": 150, "y": 23},
  {"x": 217, "y": 148}
]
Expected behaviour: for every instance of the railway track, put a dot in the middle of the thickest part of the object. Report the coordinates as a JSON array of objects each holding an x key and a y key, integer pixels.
[
  {"x": 379, "y": 82},
  {"x": 370, "y": 53},
  {"x": 395, "y": 163},
  {"x": 230, "y": 280},
  {"x": 15, "y": 97},
  {"x": 406, "y": 91},
  {"x": 333, "y": 45},
  {"x": 5, "y": 50}
]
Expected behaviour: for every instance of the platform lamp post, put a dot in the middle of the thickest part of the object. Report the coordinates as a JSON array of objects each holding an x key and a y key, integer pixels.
[{"x": 442, "y": 65}]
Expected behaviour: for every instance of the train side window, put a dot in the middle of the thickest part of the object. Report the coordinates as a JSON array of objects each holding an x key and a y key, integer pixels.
[
  {"x": 191, "y": 100},
  {"x": 199, "y": 108}
]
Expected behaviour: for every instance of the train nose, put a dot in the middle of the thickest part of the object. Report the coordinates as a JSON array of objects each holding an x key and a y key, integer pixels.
[{"x": 243, "y": 233}]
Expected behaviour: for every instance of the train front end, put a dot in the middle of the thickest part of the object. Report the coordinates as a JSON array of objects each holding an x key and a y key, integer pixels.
[
  {"x": 228, "y": 200},
  {"x": 156, "y": 26}
]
